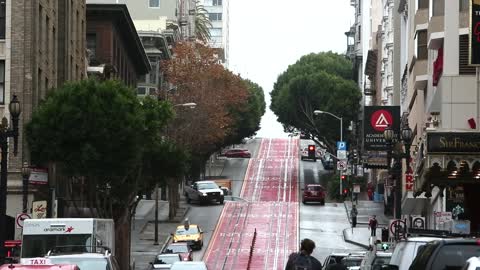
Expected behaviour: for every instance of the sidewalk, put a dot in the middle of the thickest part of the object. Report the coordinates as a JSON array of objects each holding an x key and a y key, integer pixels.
[
  {"x": 366, "y": 209},
  {"x": 143, "y": 250}
]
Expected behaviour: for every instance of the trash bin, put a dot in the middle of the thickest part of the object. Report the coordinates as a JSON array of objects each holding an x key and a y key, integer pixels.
[{"x": 384, "y": 234}]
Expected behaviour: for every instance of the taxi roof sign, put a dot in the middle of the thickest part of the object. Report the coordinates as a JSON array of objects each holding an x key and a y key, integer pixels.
[{"x": 36, "y": 261}]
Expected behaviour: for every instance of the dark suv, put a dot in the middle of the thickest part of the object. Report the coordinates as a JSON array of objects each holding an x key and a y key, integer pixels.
[{"x": 444, "y": 254}]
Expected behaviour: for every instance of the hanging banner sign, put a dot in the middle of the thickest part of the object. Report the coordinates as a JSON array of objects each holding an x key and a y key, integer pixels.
[
  {"x": 38, "y": 176},
  {"x": 474, "y": 48},
  {"x": 376, "y": 120}
]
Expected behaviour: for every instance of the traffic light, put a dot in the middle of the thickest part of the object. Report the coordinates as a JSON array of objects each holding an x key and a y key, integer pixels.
[
  {"x": 311, "y": 152},
  {"x": 343, "y": 177},
  {"x": 345, "y": 191}
]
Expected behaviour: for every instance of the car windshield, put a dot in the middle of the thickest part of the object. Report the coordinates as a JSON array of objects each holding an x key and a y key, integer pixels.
[
  {"x": 348, "y": 262},
  {"x": 84, "y": 263},
  {"x": 207, "y": 186},
  {"x": 314, "y": 188},
  {"x": 381, "y": 260},
  {"x": 162, "y": 259},
  {"x": 176, "y": 249},
  {"x": 454, "y": 256},
  {"x": 183, "y": 231}
]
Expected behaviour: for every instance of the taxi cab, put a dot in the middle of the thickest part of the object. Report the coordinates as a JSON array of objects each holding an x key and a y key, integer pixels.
[
  {"x": 190, "y": 233},
  {"x": 38, "y": 264}
]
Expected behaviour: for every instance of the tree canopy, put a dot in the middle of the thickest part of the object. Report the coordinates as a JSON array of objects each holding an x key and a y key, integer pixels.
[{"x": 320, "y": 81}]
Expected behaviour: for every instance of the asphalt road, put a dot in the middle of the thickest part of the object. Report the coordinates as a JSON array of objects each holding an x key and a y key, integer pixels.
[{"x": 323, "y": 224}]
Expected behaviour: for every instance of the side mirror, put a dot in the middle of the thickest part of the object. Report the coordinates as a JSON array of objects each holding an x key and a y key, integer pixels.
[{"x": 171, "y": 234}]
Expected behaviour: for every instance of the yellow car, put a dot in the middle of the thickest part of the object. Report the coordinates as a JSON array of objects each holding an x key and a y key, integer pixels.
[{"x": 191, "y": 233}]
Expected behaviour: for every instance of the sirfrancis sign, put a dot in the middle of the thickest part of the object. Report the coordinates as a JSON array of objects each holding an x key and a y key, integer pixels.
[
  {"x": 376, "y": 119},
  {"x": 453, "y": 142}
]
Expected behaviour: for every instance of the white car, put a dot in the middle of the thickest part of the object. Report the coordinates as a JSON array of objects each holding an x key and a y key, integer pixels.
[
  {"x": 472, "y": 264},
  {"x": 189, "y": 266},
  {"x": 375, "y": 259},
  {"x": 406, "y": 250},
  {"x": 165, "y": 261}
]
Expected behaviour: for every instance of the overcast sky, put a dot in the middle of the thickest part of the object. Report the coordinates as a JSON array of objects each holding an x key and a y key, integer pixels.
[{"x": 268, "y": 35}]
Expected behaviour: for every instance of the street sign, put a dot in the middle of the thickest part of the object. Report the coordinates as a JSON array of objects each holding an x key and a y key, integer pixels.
[
  {"x": 398, "y": 228},
  {"x": 20, "y": 218},
  {"x": 418, "y": 222},
  {"x": 341, "y": 165},
  {"x": 341, "y": 145},
  {"x": 356, "y": 188},
  {"x": 342, "y": 154},
  {"x": 377, "y": 118},
  {"x": 39, "y": 209}
]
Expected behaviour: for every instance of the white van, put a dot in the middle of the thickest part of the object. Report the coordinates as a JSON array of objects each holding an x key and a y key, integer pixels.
[{"x": 406, "y": 250}]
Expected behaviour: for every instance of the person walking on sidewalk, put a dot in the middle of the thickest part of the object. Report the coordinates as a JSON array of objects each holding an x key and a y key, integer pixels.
[
  {"x": 303, "y": 260},
  {"x": 372, "y": 224},
  {"x": 353, "y": 215}
]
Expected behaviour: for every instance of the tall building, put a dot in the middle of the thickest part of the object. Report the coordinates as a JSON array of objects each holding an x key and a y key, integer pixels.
[
  {"x": 42, "y": 45},
  {"x": 219, "y": 15}
]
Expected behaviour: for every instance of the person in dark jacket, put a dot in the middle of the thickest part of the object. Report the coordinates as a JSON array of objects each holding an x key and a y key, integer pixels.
[{"x": 303, "y": 260}]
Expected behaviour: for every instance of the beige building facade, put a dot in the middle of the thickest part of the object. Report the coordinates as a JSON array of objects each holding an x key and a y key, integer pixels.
[{"x": 43, "y": 47}]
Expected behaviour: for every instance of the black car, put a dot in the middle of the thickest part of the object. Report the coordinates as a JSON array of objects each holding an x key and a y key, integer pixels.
[{"x": 444, "y": 254}]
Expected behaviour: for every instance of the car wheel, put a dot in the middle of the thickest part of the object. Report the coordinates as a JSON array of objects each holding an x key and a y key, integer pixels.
[
  {"x": 302, "y": 158},
  {"x": 322, "y": 202},
  {"x": 304, "y": 202},
  {"x": 188, "y": 199},
  {"x": 221, "y": 201}
]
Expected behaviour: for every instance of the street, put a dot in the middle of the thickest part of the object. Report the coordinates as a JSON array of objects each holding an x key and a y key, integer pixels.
[{"x": 271, "y": 183}]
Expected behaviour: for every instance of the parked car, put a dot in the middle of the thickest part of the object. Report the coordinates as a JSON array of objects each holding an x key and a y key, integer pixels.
[
  {"x": 237, "y": 153},
  {"x": 192, "y": 235},
  {"x": 352, "y": 261},
  {"x": 472, "y": 264},
  {"x": 189, "y": 266},
  {"x": 406, "y": 250},
  {"x": 334, "y": 258},
  {"x": 204, "y": 192},
  {"x": 181, "y": 248},
  {"x": 444, "y": 254},
  {"x": 165, "y": 261},
  {"x": 313, "y": 193},
  {"x": 375, "y": 259}
]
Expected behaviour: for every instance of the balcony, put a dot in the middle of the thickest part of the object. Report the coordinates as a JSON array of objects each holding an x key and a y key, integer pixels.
[{"x": 420, "y": 73}]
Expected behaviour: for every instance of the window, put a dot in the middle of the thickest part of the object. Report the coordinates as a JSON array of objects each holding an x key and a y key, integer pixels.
[
  {"x": 216, "y": 32},
  {"x": 154, "y": 71},
  {"x": 217, "y": 2},
  {"x": 422, "y": 4},
  {"x": 359, "y": 7},
  {"x": 2, "y": 82},
  {"x": 141, "y": 91},
  {"x": 215, "y": 16},
  {"x": 359, "y": 33},
  {"x": 438, "y": 7},
  {"x": 422, "y": 49},
  {"x": 154, "y": 3},
  {"x": 92, "y": 46},
  {"x": 2, "y": 20},
  {"x": 464, "y": 62}
]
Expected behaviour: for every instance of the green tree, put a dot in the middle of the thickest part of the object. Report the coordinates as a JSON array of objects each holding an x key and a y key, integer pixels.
[
  {"x": 247, "y": 118},
  {"x": 99, "y": 132},
  {"x": 202, "y": 23},
  {"x": 317, "y": 82}
]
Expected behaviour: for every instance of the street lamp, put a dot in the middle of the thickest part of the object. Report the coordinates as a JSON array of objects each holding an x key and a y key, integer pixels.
[
  {"x": 5, "y": 133},
  {"x": 317, "y": 112},
  {"x": 396, "y": 169},
  {"x": 25, "y": 175},
  {"x": 191, "y": 105}
]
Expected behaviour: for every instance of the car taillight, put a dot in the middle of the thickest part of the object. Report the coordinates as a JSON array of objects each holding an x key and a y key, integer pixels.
[
  {"x": 185, "y": 259},
  {"x": 478, "y": 242}
]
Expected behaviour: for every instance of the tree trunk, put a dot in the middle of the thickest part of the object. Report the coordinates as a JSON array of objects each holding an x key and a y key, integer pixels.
[{"x": 122, "y": 239}]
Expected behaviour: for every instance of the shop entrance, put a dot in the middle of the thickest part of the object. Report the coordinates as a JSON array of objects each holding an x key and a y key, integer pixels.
[{"x": 472, "y": 207}]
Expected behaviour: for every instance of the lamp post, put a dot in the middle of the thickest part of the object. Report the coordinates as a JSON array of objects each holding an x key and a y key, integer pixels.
[
  {"x": 191, "y": 105},
  {"x": 317, "y": 112},
  {"x": 396, "y": 169},
  {"x": 5, "y": 133},
  {"x": 25, "y": 175}
]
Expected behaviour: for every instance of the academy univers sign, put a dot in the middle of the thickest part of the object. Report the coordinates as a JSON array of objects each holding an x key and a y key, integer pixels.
[{"x": 376, "y": 119}]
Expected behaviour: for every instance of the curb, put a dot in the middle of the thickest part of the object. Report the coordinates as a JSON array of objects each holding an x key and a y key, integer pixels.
[
  {"x": 165, "y": 243},
  {"x": 351, "y": 241}
]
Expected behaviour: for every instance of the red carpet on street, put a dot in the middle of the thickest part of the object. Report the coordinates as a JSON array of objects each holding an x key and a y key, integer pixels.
[{"x": 271, "y": 188}]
